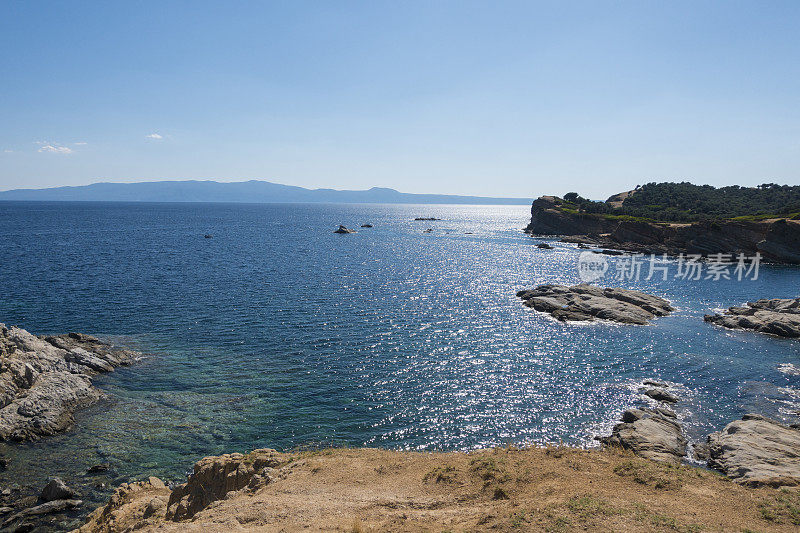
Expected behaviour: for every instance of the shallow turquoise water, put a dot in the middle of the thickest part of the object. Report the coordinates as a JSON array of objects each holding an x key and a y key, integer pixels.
[{"x": 278, "y": 333}]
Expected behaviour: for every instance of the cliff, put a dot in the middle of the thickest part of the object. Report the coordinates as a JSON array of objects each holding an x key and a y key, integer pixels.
[{"x": 777, "y": 240}]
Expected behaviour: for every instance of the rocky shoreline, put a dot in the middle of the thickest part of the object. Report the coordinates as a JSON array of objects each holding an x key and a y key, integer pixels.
[
  {"x": 776, "y": 240},
  {"x": 754, "y": 451},
  {"x": 325, "y": 489},
  {"x": 505, "y": 489},
  {"x": 45, "y": 379},
  {"x": 779, "y": 316}
]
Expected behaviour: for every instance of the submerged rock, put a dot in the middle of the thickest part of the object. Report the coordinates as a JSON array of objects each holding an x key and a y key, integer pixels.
[
  {"x": 44, "y": 380},
  {"x": 343, "y": 229},
  {"x": 544, "y": 246},
  {"x": 650, "y": 433},
  {"x": 56, "y": 489},
  {"x": 366, "y": 225},
  {"x": 779, "y": 316},
  {"x": 418, "y": 219},
  {"x": 99, "y": 468},
  {"x": 757, "y": 451},
  {"x": 54, "y": 506},
  {"x": 661, "y": 395},
  {"x": 587, "y": 302}
]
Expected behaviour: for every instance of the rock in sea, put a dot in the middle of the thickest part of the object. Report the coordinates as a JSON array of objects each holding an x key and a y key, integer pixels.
[
  {"x": 650, "y": 433},
  {"x": 757, "y": 451},
  {"x": 56, "y": 489},
  {"x": 343, "y": 229},
  {"x": 587, "y": 302},
  {"x": 780, "y": 316},
  {"x": 659, "y": 394}
]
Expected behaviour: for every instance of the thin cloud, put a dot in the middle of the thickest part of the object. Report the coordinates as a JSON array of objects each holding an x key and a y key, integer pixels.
[
  {"x": 55, "y": 149},
  {"x": 155, "y": 136},
  {"x": 80, "y": 144},
  {"x": 8, "y": 151}
]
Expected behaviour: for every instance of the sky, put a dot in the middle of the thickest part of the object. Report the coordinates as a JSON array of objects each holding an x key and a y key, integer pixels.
[{"x": 495, "y": 98}]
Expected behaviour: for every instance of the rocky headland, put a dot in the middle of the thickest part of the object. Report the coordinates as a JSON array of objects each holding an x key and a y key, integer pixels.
[
  {"x": 586, "y": 302},
  {"x": 776, "y": 239},
  {"x": 778, "y": 316},
  {"x": 45, "y": 379}
]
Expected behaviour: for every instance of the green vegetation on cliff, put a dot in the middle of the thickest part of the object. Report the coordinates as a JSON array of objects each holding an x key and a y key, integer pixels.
[{"x": 686, "y": 202}]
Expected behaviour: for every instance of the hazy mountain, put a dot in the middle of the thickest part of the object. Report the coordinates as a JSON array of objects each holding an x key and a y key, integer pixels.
[{"x": 244, "y": 191}]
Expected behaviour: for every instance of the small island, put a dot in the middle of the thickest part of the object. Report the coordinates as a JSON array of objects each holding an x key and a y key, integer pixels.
[
  {"x": 779, "y": 316},
  {"x": 586, "y": 302}
]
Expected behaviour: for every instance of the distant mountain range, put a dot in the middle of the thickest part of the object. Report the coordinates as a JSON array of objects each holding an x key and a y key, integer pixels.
[{"x": 253, "y": 191}]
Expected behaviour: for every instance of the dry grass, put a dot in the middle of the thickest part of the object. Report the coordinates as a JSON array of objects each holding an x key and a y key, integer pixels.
[{"x": 554, "y": 489}]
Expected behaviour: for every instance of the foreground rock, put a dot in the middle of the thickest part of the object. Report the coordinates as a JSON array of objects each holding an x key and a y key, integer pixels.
[
  {"x": 757, "y": 451},
  {"x": 587, "y": 302},
  {"x": 776, "y": 317},
  {"x": 44, "y": 380},
  {"x": 503, "y": 489},
  {"x": 214, "y": 477},
  {"x": 654, "y": 434}
]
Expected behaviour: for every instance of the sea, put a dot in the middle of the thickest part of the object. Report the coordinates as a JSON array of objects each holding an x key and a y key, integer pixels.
[{"x": 275, "y": 332}]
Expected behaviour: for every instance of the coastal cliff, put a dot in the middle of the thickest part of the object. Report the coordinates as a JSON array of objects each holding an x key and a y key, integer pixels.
[{"x": 776, "y": 239}]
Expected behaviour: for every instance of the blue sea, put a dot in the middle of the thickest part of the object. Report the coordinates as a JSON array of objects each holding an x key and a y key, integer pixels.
[{"x": 278, "y": 333}]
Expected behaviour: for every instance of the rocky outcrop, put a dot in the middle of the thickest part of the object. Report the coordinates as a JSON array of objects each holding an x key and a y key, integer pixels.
[
  {"x": 779, "y": 316},
  {"x": 650, "y": 433},
  {"x": 757, "y": 451},
  {"x": 776, "y": 240},
  {"x": 343, "y": 229},
  {"x": 44, "y": 380},
  {"x": 131, "y": 506},
  {"x": 214, "y": 477},
  {"x": 548, "y": 219},
  {"x": 586, "y": 302}
]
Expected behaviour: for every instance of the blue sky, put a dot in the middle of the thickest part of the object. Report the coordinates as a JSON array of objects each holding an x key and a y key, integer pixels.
[{"x": 486, "y": 98}]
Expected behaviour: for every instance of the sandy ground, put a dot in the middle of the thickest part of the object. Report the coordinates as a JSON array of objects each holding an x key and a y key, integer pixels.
[{"x": 539, "y": 489}]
